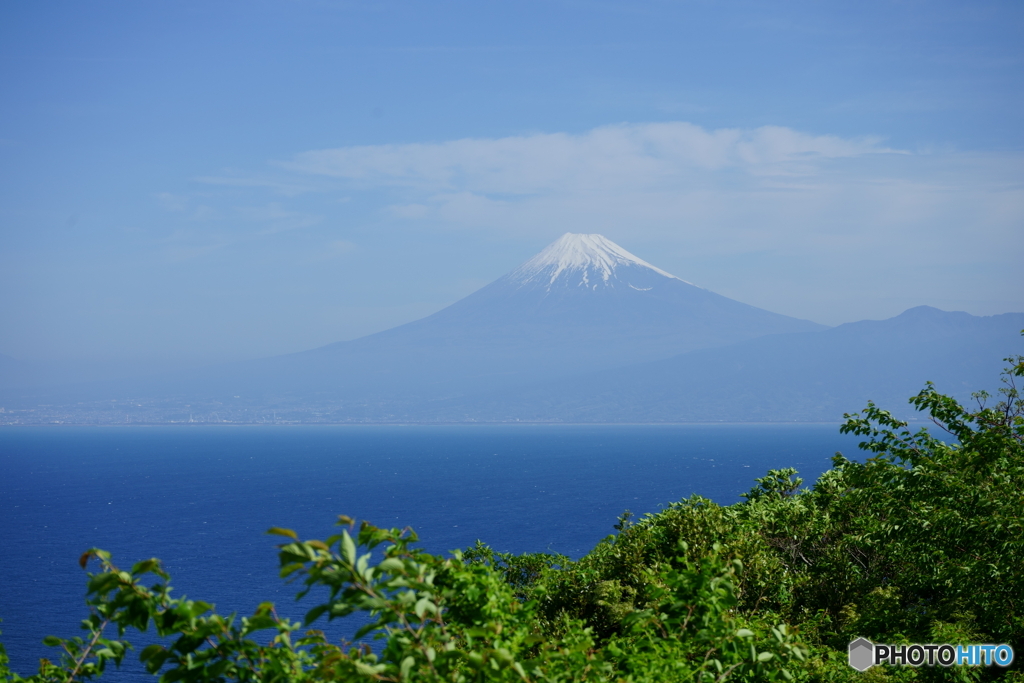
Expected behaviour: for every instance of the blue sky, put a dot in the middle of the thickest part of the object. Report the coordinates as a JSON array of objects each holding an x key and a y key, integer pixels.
[{"x": 189, "y": 182}]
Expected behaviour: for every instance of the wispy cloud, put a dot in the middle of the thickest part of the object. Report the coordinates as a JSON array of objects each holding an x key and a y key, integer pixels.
[
  {"x": 278, "y": 186},
  {"x": 712, "y": 191},
  {"x": 172, "y": 202},
  {"x": 333, "y": 249},
  {"x": 275, "y": 218},
  {"x": 208, "y": 230},
  {"x": 724, "y": 207},
  {"x": 622, "y": 156}
]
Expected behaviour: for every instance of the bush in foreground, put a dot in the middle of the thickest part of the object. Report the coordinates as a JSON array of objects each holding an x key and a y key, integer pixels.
[{"x": 923, "y": 542}]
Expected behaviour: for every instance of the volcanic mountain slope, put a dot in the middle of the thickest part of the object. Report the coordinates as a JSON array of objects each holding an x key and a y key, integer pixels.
[
  {"x": 810, "y": 376},
  {"x": 583, "y": 303}
]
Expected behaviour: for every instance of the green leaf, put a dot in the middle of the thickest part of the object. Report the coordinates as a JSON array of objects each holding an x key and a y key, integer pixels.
[
  {"x": 278, "y": 531},
  {"x": 314, "y": 613},
  {"x": 392, "y": 565},
  {"x": 370, "y": 670},
  {"x": 145, "y": 566},
  {"x": 406, "y": 667},
  {"x": 348, "y": 547}
]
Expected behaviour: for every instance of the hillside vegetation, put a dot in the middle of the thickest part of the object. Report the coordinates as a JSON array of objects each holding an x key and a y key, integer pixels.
[{"x": 922, "y": 542}]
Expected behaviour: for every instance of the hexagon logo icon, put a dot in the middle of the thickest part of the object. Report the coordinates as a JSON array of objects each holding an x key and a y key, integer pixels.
[{"x": 862, "y": 654}]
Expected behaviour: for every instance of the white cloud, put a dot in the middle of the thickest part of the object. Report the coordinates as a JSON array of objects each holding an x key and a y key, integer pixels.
[
  {"x": 813, "y": 225},
  {"x": 707, "y": 191},
  {"x": 276, "y": 218},
  {"x": 622, "y": 156}
]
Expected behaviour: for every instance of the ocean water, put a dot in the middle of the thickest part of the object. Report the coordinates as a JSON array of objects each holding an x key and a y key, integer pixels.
[{"x": 201, "y": 498}]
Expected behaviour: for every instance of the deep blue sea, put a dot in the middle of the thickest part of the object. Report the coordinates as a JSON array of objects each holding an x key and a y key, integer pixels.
[{"x": 201, "y": 498}]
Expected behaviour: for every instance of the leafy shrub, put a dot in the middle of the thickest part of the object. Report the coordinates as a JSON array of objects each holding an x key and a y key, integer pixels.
[{"x": 922, "y": 542}]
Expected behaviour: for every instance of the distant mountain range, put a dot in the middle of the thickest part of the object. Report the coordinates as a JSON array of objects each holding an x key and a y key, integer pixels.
[
  {"x": 583, "y": 332},
  {"x": 806, "y": 376}
]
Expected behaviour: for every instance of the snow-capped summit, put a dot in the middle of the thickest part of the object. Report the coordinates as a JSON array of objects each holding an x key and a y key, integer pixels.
[{"x": 584, "y": 261}]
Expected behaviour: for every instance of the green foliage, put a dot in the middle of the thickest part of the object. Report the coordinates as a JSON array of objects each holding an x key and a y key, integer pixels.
[
  {"x": 438, "y": 619},
  {"x": 5, "y": 671},
  {"x": 922, "y": 542},
  {"x": 775, "y": 485}
]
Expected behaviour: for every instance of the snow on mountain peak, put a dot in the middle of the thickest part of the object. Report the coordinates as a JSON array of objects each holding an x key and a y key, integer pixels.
[{"x": 595, "y": 256}]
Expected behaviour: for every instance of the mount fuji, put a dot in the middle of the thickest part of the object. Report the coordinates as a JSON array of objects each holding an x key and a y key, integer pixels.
[
  {"x": 582, "y": 304},
  {"x": 582, "y": 332}
]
